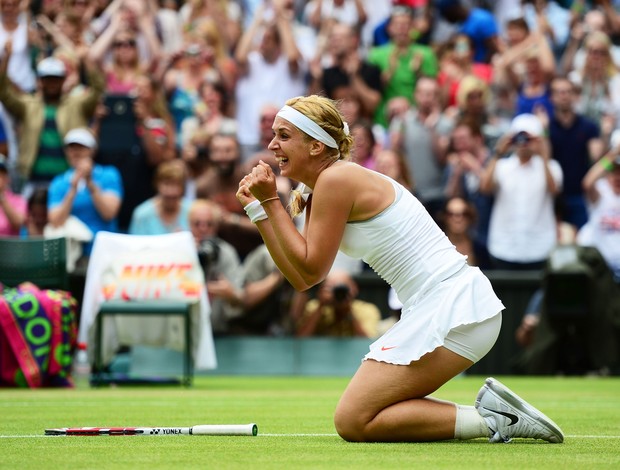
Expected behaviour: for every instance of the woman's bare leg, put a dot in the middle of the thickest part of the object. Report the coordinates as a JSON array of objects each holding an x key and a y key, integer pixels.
[{"x": 387, "y": 402}]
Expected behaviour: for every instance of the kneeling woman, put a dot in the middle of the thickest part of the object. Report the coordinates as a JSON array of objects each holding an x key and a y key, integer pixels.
[{"x": 451, "y": 316}]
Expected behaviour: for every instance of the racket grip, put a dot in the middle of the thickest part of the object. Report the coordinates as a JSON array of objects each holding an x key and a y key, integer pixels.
[{"x": 225, "y": 430}]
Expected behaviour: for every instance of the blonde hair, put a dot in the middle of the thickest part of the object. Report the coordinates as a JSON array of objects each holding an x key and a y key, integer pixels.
[
  {"x": 468, "y": 84},
  {"x": 599, "y": 38},
  {"x": 326, "y": 114}
]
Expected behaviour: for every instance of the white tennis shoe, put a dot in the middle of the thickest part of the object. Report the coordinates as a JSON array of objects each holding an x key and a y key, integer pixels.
[{"x": 507, "y": 415}]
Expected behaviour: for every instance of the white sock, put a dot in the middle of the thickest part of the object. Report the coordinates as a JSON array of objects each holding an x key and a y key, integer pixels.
[{"x": 469, "y": 424}]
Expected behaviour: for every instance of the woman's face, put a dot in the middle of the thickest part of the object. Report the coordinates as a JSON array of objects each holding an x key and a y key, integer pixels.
[
  {"x": 362, "y": 143},
  {"x": 9, "y": 7},
  {"x": 212, "y": 97},
  {"x": 462, "y": 139},
  {"x": 515, "y": 35},
  {"x": 598, "y": 54},
  {"x": 125, "y": 48},
  {"x": 170, "y": 193},
  {"x": 78, "y": 155},
  {"x": 290, "y": 149},
  {"x": 457, "y": 216}
]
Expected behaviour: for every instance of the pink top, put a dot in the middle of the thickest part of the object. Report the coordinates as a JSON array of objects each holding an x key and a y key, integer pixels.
[
  {"x": 115, "y": 86},
  {"x": 20, "y": 205}
]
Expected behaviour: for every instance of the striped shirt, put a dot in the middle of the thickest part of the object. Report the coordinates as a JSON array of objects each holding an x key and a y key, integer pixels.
[{"x": 51, "y": 159}]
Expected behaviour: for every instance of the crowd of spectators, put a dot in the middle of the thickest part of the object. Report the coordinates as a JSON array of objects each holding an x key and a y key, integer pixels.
[{"x": 492, "y": 113}]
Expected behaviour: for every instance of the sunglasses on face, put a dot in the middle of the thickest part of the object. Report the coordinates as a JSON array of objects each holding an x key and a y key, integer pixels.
[
  {"x": 457, "y": 214},
  {"x": 128, "y": 43}
]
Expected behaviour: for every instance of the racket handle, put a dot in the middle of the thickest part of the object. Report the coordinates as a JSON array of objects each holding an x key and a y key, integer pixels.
[{"x": 225, "y": 430}]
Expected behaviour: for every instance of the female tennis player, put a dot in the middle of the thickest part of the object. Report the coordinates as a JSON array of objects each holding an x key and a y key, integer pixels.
[{"x": 451, "y": 317}]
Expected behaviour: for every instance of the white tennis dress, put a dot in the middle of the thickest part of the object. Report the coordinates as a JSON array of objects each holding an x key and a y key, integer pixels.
[{"x": 437, "y": 287}]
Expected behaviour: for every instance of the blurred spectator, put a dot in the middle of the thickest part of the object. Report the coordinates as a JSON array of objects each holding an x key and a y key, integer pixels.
[
  {"x": 13, "y": 208},
  {"x": 136, "y": 16},
  {"x": 261, "y": 151},
  {"x": 37, "y": 219},
  {"x": 324, "y": 13},
  {"x": 144, "y": 138},
  {"x": 51, "y": 8},
  {"x": 524, "y": 334},
  {"x": 457, "y": 62},
  {"x": 171, "y": 31},
  {"x": 125, "y": 65},
  {"x": 402, "y": 61},
  {"x": 226, "y": 15},
  {"x": 347, "y": 69},
  {"x": 365, "y": 146},
  {"x": 219, "y": 262},
  {"x": 598, "y": 80},
  {"x": 593, "y": 22},
  {"x": 69, "y": 29},
  {"x": 394, "y": 165},
  {"x": 220, "y": 183},
  {"x": 458, "y": 219},
  {"x": 477, "y": 23},
  {"x": 210, "y": 116},
  {"x": 510, "y": 76},
  {"x": 92, "y": 193},
  {"x": 204, "y": 59},
  {"x": 467, "y": 157},
  {"x": 602, "y": 188},
  {"x": 575, "y": 144},
  {"x": 473, "y": 105},
  {"x": 551, "y": 20},
  {"x": 522, "y": 229},
  {"x": 14, "y": 29},
  {"x": 337, "y": 311},
  {"x": 44, "y": 118},
  {"x": 276, "y": 61},
  {"x": 168, "y": 210},
  {"x": 520, "y": 42},
  {"x": 422, "y": 13},
  {"x": 266, "y": 297},
  {"x": 533, "y": 91},
  {"x": 421, "y": 136}
]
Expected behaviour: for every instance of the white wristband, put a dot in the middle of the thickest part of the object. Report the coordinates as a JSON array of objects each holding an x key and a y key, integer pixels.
[{"x": 255, "y": 211}]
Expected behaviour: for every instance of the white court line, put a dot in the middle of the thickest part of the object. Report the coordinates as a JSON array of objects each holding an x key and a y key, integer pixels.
[{"x": 571, "y": 436}]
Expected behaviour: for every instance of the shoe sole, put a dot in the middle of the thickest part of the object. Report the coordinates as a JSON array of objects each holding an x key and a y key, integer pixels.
[{"x": 517, "y": 402}]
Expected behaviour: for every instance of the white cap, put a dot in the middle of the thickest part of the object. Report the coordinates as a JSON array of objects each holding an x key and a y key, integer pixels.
[
  {"x": 81, "y": 136},
  {"x": 51, "y": 67},
  {"x": 527, "y": 123}
]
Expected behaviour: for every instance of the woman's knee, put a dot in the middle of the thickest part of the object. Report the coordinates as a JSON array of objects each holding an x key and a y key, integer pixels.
[{"x": 349, "y": 425}]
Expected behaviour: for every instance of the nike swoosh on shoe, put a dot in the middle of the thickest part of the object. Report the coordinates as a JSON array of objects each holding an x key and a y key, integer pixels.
[{"x": 514, "y": 419}]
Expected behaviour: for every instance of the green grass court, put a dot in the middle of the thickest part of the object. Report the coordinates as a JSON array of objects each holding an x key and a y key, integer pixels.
[{"x": 295, "y": 430}]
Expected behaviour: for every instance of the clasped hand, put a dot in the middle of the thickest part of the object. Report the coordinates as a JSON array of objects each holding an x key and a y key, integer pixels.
[{"x": 259, "y": 184}]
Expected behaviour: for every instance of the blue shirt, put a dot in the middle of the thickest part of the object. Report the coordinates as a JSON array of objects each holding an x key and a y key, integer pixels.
[
  {"x": 107, "y": 178},
  {"x": 145, "y": 219},
  {"x": 528, "y": 104}
]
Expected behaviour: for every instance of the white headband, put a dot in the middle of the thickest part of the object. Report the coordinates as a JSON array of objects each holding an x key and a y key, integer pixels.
[{"x": 307, "y": 125}]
